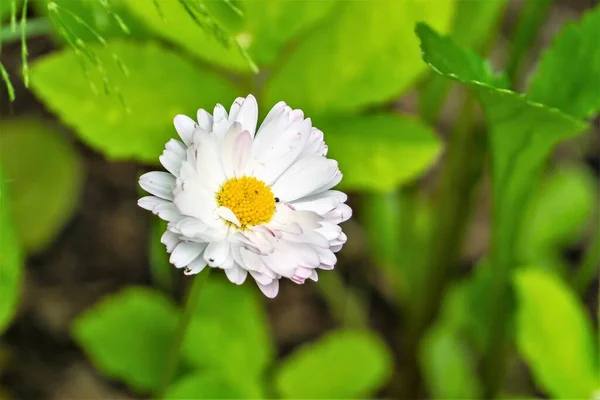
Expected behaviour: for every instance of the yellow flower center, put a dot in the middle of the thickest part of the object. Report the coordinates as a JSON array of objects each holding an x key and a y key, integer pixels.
[{"x": 251, "y": 200}]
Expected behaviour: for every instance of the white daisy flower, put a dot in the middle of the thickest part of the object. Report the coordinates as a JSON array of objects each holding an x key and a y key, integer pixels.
[{"x": 249, "y": 201}]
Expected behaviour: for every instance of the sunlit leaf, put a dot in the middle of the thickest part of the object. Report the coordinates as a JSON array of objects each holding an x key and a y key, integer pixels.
[
  {"x": 380, "y": 152},
  {"x": 229, "y": 330},
  {"x": 560, "y": 211},
  {"x": 44, "y": 176},
  {"x": 262, "y": 30},
  {"x": 555, "y": 337},
  {"x": 160, "y": 85},
  {"x": 205, "y": 385},
  {"x": 11, "y": 259},
  {"x": 79, "y": 16},
  {"x": 568, "y": 76},
  {"x": 171, "y": 21},
  {"x": 365, "y": 55},
  {"x": 128, "y": 335},
  {"x": 341, "y": 365}
]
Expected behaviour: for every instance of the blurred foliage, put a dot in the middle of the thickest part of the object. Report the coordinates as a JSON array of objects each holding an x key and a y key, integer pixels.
[
  {"x": 232, "y": 320},
  {"x": 44, "y": 175},
  {"x": 343, "y": 364},
  {"x": 555, "y": 336},
  {"x": 127, "y": 67},
  {"x": 11, "y": 258},
  {"x": 576, "y": 70}
]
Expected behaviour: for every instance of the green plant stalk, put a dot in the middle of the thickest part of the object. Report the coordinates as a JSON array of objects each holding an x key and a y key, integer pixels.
[
  {"x": 345, "y": 304},
  {"x": 589, "y": 265},
  {"x": 463, "y": 170},
  {"x": 35, "y": 27},
  {"x": 530, "y": 20},
  {"x": 190, "y": 304}
]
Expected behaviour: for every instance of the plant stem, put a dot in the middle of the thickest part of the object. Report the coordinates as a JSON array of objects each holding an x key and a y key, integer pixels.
[
  {"x": 346, "y": 305},
  {"x": 35, "y": 27},
  {"x": 190, "y": 304},
  {"x": 589, "y": 265},
  {"x": 462, "y": 172}
]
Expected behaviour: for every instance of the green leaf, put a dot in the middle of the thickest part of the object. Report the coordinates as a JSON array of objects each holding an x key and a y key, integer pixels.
[
  {"x": 400, "y": 148},
  {"x": 555, "y": 336},
  {"x": 568, "y": 76},
  {"x": 559, "y": 212},
  {"x": 450, "y": 60},
  {"x": 157, "y": 88},
  {"x": 366, "y": 55},
  {"x": 128, "y": 335},
  {"x": 11, "y": 260},
  {"x": 205, "y": 385},
  {"x": 229, "y": 329},
  {"x": 522, "y": 135},
  {"x": 265, "y": 27},
  {"x": 44, "y": 173},
  {"x": 342, "y": 365},
  {"x": 171, "y": 21},
  {"x": 449, "y": 369},
  {"x": 160, "y": 267},
  {"x": 271, "y": 24},
  {"x": 93, "y": 14}
]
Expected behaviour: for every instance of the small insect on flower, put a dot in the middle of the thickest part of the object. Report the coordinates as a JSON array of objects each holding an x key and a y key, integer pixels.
[{"x": 249, "y": 201}]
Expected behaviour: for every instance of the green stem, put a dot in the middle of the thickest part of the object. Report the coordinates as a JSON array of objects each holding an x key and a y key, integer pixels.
[
  {"x": 188, "y": 311},
  {"x": 463, "y": 170},
  {"x": 589, "y": 265},
  {"x": 35, "y": 27},
  {"x": 346, "y": 306}
]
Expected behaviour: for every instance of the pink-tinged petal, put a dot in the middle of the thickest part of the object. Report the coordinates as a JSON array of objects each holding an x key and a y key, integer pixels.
[
  {"x": 269, "y": 290},
  {"x": 340, "y": 214}
]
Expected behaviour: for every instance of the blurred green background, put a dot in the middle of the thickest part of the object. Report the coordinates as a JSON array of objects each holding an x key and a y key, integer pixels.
[{"x": 469, "y": 139}]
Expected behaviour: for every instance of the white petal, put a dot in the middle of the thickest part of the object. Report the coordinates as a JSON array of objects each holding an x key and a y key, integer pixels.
[
  {"x": 235, "y": 151},
  {"x": 235, "y": 108},
  {"x": 320, "y": 203},
  {"x": 185, "y": 253},
  {"x": 176, "y": 147},
  {"x": 149, "y": 202},
  {"x": 220, "y": 121},
  {"x": 248, "y": 115},
  {"x": 273, "y": 111},
  {"x": 185, "y": 127},
  {"x": 191, "y": 227},
  {"x": 216, "y": 253},
  {"x": 314, "y": 276},
  {"x": 228, "y": 215},
  {"x": 195, "y": 266},
  {"x": 168, "y": 212},
  {"x": 193, "y": 200},
  {"x": 158, "y": 183},
  {"x": 269, "y": 290},
  {"x": 205, "y": 120},
  {"x": 251, "y": 261},
  {"x": 326, "y": 256},
  {"x": 261, "y": 278},
  {"x": 236, "y": 274},
  {"x": 304, "y": 177},
  {"x": 171, "y": 162},
  {"x": 170, "y": 240},
  {"x": 208, "y": 163},
  {"x": 340, "y": 214}
]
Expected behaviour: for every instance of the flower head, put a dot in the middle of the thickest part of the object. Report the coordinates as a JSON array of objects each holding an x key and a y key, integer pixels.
[{"x": 249, "y": 201}]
